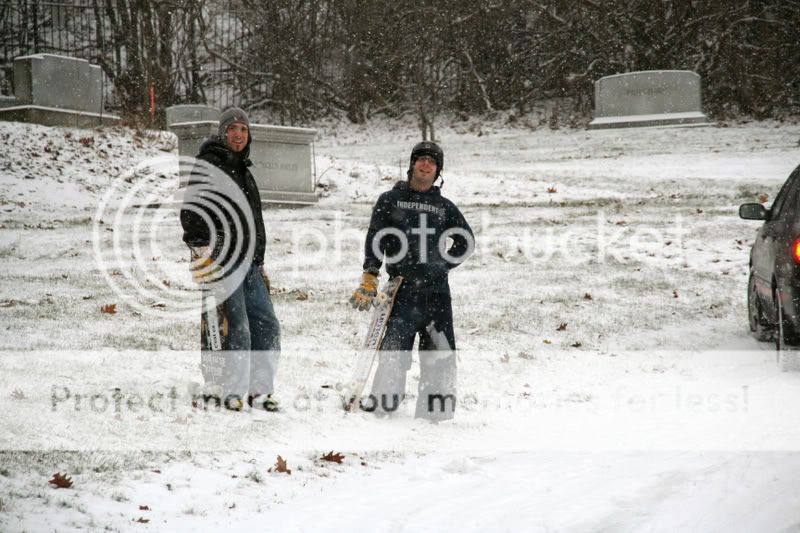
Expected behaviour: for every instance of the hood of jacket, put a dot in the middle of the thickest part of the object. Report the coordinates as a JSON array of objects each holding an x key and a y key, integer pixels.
[{"x": 405, "y": 186}]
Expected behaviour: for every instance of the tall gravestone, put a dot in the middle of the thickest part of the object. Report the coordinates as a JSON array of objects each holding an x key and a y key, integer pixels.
[
  {"x": 56, "y": 91},
  {"x": 283, "y": 159},
  {"x": 191, "y": 113},
  {"x": 648, "y": 98}
]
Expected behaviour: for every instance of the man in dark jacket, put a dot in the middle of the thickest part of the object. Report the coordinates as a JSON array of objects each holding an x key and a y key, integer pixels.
[
  {"x": 409, "y": 231},
  {"x": 224, "y": 227}
]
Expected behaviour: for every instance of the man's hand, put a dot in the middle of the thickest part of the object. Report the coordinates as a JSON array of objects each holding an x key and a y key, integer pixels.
[
  {"x": 363, "y": 296},
  {"x": 265, "y": 277},
  {"x": 202, "y": 265}
]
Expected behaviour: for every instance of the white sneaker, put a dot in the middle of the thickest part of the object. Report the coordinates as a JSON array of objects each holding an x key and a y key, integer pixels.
[{"x": 264, "y": 401}]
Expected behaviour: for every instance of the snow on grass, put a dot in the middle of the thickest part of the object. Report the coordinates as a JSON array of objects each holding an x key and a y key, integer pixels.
[{"x": 606, "y": 378}]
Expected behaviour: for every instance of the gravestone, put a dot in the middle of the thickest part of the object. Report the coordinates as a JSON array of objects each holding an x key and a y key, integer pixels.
[
  {"x": 283, "y": 158},
  {"x": 56, "y": 91},
  {"x": 191, "y": 113},
  {"x": 648, "y": 98}
]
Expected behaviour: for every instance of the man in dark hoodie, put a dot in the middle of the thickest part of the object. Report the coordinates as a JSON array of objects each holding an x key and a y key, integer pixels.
[
  {"x": 224, "y": 227},
  {"x": 410, "y": 230}
]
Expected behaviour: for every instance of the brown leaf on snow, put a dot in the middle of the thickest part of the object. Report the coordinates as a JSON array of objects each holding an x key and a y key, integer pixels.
[
  {"x": 547, "y": 341},
  {"x": 142, "y": 520},
  {"x": 333, "y": 457},
  {"x": 505, "y": 358},
  {"x": 576, "y": 344},
  {"x": 763, "y": 198},
  {"x": 17, "y": 394},
  {"x": 587, "y": 296},
  {"x": 674, "y": 293},
  {"x": 282, "y": 467},
  {"x": 552, "y": 190},
  {"x": 87, "y": 141},
  {"x": 109, "y": 309},
  {"x": 8, "y": 303},
  {"x": 61, "y": 482},
  {"x": 144, "y": 508},
  {"x": 562, "y": 326}
]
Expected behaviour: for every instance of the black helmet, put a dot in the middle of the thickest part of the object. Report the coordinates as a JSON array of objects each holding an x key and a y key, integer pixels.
[{"x": 429, "y": 148}]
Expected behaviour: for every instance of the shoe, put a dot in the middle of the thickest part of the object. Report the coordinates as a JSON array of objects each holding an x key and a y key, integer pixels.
[
  {"x": 264, "y": 401},
  {"x": 234, "y": 403}
]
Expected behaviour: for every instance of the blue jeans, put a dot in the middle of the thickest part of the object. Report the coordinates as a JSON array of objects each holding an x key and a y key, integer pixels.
[
  {"x": 254, "y": 339},
  {"x": 412, "y": 313}
]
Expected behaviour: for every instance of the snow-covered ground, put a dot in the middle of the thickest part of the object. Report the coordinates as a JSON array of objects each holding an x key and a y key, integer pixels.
[{"x": 606, "y": 377}]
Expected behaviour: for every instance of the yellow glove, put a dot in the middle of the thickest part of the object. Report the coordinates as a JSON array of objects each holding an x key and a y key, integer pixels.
[
  {"x": 202, "y": 266},
  {"x": 363, "y": 296}
]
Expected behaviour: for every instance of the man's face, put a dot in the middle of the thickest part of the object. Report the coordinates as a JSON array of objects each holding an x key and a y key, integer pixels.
[
  {"x": 236, "y": 136},
  {"x": 424, "y": 173}
]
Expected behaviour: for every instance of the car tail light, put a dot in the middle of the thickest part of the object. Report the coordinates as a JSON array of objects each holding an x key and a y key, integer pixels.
[{"x": 796, "y": 251}]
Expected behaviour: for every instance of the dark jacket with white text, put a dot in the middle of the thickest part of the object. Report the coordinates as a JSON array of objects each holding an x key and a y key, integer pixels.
[{"x": 426, "y": 222}]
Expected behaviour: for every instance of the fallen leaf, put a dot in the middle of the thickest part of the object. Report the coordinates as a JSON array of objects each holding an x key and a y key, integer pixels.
[
  {"x": 763, "y": 198},
  {"x": 109, "y": 309},
  {"x": 562, "y": 326},
  {"x": 282, "y": 467},
  {"x": 142, "y": 520},
  {"x": 576, "y": 345},
  {"x": 144, "y": 508},
  {"x": 587, "y": 296},
  {"x": 333, "y": 457},
  {"x": 674, "y": 293},
  {"x": 61, "y": 482},
  {"x": 547, "y": 341},
  {"x": 524, "y": 355},
  {"x": 17, "y": 394},
  {"x": 552, "y": 190},
  {"x": 9, "y": 303},
  {"x": 156, "y": 471},
  {"x": 505, "y": 358}
]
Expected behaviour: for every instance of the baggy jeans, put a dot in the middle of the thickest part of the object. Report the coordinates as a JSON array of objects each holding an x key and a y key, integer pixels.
[
  {"x": 430, "y": 316},
  {"x": 254, "y": 340}
]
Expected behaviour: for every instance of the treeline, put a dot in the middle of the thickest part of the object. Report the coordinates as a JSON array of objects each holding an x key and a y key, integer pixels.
[
  {"x": 474, "y": 56},
  {"x": 300, "y": 60}
]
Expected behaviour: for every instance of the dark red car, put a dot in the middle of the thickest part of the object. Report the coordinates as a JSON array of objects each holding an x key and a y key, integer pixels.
[{"x": 773, "y": 290}]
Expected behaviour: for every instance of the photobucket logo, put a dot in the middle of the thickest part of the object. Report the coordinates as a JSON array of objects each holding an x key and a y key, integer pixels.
[
  {"x": 137, "y": 235},
  {"x": 337, "y": 242}
]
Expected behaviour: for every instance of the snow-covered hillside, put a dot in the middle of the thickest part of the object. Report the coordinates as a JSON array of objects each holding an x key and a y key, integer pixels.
[{"x": 606, "y": 378}]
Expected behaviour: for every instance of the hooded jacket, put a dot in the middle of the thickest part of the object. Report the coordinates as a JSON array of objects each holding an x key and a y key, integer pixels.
[
  {"x": 425, "y": 221},
  {"x": 196, "y": 231}
]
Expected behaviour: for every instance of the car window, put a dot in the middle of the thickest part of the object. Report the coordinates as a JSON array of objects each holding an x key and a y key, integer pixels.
[{"x": 787, "y": 192}]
